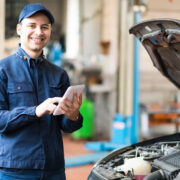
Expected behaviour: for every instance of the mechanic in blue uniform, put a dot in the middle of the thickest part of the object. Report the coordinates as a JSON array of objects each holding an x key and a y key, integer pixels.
[{"x": 31, "y": 144}]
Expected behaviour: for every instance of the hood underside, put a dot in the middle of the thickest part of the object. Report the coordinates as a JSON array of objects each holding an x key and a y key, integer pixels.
[{"x": 161, "y": 38}]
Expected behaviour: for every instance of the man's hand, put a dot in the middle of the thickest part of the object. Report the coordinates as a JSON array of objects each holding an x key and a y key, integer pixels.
[
  {"x": 71, "y": 109},
  {"x": 47, "y": 107}
]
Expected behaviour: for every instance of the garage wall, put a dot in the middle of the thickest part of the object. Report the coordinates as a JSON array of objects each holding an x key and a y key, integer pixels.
[
  {"x": 110, "y": 30},
  {"x": 91, "y": 14},
  {"x": 2, "y": 30},
  {"x": 106, "y": 101}
]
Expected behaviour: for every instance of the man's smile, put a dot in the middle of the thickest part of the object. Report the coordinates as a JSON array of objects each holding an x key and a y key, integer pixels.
[{"x": 37, "y": 40}]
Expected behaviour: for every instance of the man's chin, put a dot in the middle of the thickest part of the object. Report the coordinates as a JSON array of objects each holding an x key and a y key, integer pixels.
[{"x": 37, "y": 48}]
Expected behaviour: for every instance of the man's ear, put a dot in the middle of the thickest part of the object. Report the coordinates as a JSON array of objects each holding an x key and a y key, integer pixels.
[{"x": 18, "y": 29}]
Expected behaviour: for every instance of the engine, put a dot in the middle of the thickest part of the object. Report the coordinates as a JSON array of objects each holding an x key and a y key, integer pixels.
[{"x": 158, "y": 161}]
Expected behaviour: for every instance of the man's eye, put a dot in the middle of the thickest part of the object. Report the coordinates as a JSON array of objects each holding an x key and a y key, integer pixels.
[
  {"x": 31, "y": 26},
  {"x": 45, "y": 27}
]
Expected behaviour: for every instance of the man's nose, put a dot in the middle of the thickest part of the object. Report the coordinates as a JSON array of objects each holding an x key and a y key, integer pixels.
[{"x": 38, "y": 30}]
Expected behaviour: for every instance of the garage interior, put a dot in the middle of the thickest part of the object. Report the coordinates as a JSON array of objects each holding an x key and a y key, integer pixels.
[{"x": 128, "y": 99}]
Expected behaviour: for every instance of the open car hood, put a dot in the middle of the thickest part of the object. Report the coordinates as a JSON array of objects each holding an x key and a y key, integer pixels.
[{"x": 161, "y": 38}]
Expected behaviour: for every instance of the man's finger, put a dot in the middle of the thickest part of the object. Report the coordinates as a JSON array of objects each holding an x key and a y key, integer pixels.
[
  {"x": 55, "y": 100},
  {"x": 68, "y": 102},
  {"x": 75, "y": 97},
  {"x": 80, "y": 99}
]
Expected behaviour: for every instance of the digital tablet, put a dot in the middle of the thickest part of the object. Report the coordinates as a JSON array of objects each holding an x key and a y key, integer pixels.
[{"x": 69, "y": 95}]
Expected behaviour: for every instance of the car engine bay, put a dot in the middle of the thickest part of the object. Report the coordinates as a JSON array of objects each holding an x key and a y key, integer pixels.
[{"x": 157, "y": 161}]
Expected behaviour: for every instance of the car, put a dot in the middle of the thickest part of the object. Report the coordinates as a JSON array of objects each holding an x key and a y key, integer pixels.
[{"x": 158, "y": 158}]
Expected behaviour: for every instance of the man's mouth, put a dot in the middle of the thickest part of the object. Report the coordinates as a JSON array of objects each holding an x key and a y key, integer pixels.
[{"x": 37, "y": 40}]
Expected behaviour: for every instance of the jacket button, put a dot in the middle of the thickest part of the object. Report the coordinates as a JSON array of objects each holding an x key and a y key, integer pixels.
[{"x": 19, "y": 87}]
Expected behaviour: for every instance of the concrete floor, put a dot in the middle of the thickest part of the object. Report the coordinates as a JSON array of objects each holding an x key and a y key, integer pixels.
[{"x": 74, "y": 148}]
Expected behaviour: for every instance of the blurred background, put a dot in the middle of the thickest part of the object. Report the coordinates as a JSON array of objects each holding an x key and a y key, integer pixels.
[{"x": 126, "y": 99}]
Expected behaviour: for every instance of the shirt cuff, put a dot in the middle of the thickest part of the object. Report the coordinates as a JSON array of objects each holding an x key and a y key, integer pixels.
[{"x": 32, "y": 112}]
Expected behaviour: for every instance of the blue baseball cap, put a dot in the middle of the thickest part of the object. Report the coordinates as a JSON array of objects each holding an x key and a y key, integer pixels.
[{"x": 31, "y": 9}]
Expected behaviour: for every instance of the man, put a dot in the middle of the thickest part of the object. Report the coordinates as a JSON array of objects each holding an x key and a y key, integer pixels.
[{"x": 31, "y": 144}]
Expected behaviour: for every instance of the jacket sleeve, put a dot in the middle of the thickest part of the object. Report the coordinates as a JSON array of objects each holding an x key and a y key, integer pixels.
[
  {"x": 18, "y": 117},
  {"x": 70, "y": 126}
]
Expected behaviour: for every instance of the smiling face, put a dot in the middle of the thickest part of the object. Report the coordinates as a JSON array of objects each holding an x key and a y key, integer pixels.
[{"x": 34, "y": 34}]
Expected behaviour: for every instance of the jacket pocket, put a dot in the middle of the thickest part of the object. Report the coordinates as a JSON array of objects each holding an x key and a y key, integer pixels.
[
  {"x": 19, "y": 88},
  {"x": 20, "y": 94}
]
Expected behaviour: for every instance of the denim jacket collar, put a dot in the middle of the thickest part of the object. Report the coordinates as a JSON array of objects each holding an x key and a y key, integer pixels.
[{"x": 24, "y": 56}]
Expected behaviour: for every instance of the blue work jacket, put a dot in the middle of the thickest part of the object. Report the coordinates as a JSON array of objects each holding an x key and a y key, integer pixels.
[{"x": 26, "y": 141}]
